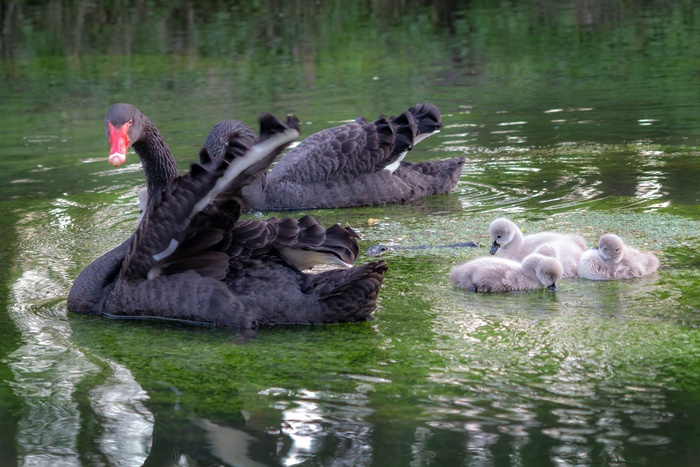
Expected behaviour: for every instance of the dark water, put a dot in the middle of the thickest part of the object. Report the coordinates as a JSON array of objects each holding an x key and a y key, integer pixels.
[{"x": 574, "y": 116}]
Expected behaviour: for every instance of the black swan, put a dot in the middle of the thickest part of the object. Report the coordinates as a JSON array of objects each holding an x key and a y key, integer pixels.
[
  {"x": 191, "y": 258},
  {"x": 356, "y": 164}
]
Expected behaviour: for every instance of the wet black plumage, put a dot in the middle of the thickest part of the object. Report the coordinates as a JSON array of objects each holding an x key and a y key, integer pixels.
[{"x": 192, "y": 259}]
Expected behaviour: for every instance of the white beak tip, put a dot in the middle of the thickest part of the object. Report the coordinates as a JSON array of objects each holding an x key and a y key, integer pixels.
[{"x": 117, "y": 159}]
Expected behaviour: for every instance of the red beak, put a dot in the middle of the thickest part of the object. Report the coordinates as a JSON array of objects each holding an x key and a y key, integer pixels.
[{"x": 118, "y": 143}]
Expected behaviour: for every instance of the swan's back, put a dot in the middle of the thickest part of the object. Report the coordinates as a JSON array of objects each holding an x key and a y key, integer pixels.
[
  {"x": 340, "y": 153},
  {"x": 567, "y": 251},
  {"x": 494, "y": 274},
  {"x": 486, "y": 274}
]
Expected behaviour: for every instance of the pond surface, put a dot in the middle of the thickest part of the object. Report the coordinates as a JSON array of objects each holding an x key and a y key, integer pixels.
[{"x": 576, "y": 117}]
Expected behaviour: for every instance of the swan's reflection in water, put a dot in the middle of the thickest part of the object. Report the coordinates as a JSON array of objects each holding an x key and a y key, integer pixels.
[{"x": 51, "y": 373}]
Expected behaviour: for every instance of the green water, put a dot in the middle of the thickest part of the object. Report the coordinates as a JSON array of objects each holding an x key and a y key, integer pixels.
[{"x": 576, "y": 117}]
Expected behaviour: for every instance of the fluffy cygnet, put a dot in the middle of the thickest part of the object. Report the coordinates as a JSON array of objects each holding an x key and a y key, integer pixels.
[
  {"x": 493, "y": 274},
  {"x": 612, "y": 259},
  {"x": 507, "y": 241},
  {"x": 568, "y": 252}
]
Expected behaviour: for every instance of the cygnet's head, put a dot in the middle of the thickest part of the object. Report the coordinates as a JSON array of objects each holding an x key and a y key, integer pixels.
[
  {"x": 610, "y": 248},
  {"x": 501, "y": 231},
  {"x": 547, "y": 269}
]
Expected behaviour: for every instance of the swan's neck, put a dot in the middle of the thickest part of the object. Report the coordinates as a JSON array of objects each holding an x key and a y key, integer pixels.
[
  {"x": 92, "y": 286},
  {"x": 518, "y": 241},
  {"x": 157, "y": 160},
  {"x": 529, "y": 267}
]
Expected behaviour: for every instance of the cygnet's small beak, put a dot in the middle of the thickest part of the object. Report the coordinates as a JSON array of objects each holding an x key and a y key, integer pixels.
[
  {"x": 494, "y": 248},
  {"x": 553, "y": 287}
]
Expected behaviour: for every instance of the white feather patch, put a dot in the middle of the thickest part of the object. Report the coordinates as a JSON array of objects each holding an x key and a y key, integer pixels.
[
  {"x": 422, "y": 136},
  {"x": 168, "y": 251},
  {"x": 395, "y": 165}
]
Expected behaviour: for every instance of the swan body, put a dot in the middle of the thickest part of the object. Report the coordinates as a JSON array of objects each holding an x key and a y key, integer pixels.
[
  {"x": 507, "y": 241},
  {"x": 612, "y": 259},
  {"x": 494, "y": 274},
  {"x": 191, "y": 259}
]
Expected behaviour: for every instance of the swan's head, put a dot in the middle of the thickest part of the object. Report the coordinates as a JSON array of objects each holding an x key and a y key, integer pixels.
[
  {"x": 547, "y": 269},
  {"x": 610, "y": 248},
  {"x": 501, "y": 231},
  {"x": 218, "y": 138},
  {"x": 123, "y": 125}
]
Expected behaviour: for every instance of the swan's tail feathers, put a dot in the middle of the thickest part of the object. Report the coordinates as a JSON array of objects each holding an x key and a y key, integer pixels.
[
  {"x": 429, "y": 120},
  {"x": 342, "y": 243},
  {"x": 434, "y": 177},
  {"x": 348, "y": 295},
  {"x": 406, "y": 129},
  {"x": 385, "y": 136}
]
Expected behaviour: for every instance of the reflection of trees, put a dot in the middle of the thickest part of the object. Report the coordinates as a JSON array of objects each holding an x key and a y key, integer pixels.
[{"x": 265, "y": 51}]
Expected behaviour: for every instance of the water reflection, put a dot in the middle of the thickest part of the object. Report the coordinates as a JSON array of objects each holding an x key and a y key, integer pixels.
[
  {"x": 565, "y": 180},
  {"x": 499, "y": 342},
  {"x": 50, "y": 372}
]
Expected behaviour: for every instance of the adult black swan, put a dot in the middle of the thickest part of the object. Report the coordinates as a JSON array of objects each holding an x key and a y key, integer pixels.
[
  {"x": 355, "y": 164},
  {"x": 192, "y": 259}
]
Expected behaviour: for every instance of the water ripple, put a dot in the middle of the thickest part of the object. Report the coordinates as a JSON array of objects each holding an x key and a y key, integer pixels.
[{"x": 517, "y": 179}]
